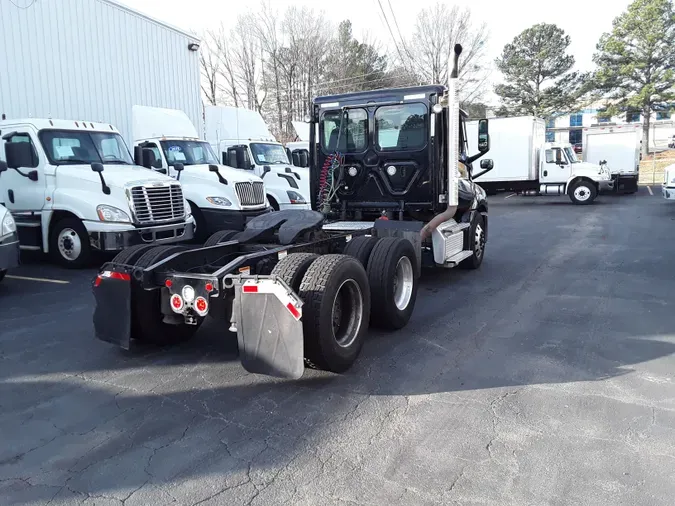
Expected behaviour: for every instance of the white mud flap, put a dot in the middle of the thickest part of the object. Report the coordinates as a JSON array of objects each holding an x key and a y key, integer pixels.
[{"x": 268, "y": 318}]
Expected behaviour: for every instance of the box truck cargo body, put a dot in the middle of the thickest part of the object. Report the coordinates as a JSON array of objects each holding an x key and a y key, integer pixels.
[
  {"x": 94, "y": 60},
  {"x": 525, "y": 162},
  {"x": 619, "y": 147}
]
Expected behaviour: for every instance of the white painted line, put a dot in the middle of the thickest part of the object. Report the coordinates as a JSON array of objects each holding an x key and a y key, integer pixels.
[
  {"x": 509, "y": 196},
  {"x": 649, "y": 189},
  {"x": 42, "y": 280}
]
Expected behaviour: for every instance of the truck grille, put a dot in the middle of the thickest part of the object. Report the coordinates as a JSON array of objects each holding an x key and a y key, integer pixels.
[
  {"x": 250, "y": 194},
  {"x": 157, "y": 204}
]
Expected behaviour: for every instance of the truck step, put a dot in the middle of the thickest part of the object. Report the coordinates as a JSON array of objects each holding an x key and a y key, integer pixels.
[
  {"x": 26, "y": 247},
  {"x": 34, "y": 224},
  {"x": 454, "y": 260}
]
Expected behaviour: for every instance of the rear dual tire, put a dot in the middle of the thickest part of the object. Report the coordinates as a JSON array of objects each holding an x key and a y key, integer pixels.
[{"x": 147, "y": 323}]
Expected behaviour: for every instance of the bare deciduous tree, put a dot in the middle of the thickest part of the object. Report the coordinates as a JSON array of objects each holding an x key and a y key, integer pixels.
[{"x": 437, "y": 30}]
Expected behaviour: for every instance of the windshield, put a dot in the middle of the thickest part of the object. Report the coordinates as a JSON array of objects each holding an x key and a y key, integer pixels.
[
  {"x": 268, "y": 153},
  {"x": 571, "y": 155},
  {"x": 188, "y": 152},
  {"x": 69, "y": 147}
]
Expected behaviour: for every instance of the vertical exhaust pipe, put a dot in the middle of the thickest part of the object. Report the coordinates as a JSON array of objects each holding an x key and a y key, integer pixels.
[{"x": 453, "y": 147}]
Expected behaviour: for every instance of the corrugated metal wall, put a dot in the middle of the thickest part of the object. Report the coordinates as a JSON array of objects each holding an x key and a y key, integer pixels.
[{"x": 93, "y": 60}]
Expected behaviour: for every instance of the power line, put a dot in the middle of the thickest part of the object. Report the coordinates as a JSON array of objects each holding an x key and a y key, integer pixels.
[{"x": 393, "y": 38}]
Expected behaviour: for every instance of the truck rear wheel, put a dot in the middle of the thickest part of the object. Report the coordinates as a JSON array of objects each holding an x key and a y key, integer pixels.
[
  {"x": 292, "y": 268},
  {"x": 583, "y": 193},
  {"x": 130, "y": 255},
  {"x": 360, "y": 248},
  {"x": 220, "y": 236},
  {"x": 393, "y": 278},
  {"x": 335, "y": 311},
  {"x": 147, "y": 323},
  {"x": 69, "y": 243}
]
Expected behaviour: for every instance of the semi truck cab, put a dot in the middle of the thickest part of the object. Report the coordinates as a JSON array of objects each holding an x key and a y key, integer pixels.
[
  {"x": 242, "y": 140},
  {"x": 221, "y": 197},
  {"x": 72, "y": 187}
]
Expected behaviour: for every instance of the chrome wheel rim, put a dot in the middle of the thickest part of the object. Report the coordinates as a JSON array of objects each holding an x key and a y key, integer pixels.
[
  {"x": 347, "y": 313},
  {"x": 70, "y": 245},
  {"x": 582, "y": 193},
  {"x": 404, "y": 280},
  {"x": 479, "y": 241}
]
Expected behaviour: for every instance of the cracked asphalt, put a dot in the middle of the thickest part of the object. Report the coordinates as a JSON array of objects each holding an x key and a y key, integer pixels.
[{"x": 546, "y": 377}]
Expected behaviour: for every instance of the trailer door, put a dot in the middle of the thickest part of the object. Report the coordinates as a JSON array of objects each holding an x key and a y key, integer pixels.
[{"x": 618, "y": 148}]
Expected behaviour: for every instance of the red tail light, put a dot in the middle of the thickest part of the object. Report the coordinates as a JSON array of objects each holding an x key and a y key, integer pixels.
[
  {"x": 250, "y": 289},
  {"x": 201, "y": 306},
  {"x": 176, "y": 303},
  {"x": 168, "y": 283},
  {"x": 209, "y": 287}
]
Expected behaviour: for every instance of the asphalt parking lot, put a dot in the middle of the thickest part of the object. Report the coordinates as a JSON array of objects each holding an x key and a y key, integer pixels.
[{"x": 546, "y": 377}]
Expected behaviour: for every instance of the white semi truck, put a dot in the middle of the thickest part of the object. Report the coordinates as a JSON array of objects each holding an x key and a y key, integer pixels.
[
  {"x": 221, "y": 197},
  {"x": 524, "y": 162},
  {"x": 619, "y": 147},
  {"x": 243, "y": 140},
  {"x": 73, "y": 188}
]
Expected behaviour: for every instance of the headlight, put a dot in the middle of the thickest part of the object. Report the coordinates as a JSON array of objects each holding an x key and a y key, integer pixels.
[
  {"x": 295, "y": 197},
  {"x": 219, "y": 201},
  {"x": 110, "y": 213},
  {"x": 188, "y": 209},
  {"x": 8, "y": 225}
]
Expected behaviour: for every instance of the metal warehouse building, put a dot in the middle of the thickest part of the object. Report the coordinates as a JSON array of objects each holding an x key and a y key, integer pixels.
[{"x": 93, "y": 60}]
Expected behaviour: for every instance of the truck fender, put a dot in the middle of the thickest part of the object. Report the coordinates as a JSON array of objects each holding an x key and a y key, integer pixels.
[
  {"x": 572, "y": 180},
  {"x": 47, "y": 216}
]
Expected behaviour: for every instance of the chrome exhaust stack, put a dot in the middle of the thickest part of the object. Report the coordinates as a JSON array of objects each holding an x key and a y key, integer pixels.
[{"x": 453, "y": 147}]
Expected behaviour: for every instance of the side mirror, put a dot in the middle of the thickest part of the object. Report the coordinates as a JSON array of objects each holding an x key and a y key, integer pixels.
[
  {"x": 266, "y": 169},
  {"x": 138, "y": 155},
  {"x": 304, "y": 158},
  {"x": 483, "y": 136},
  {"x": 19, "y": 154},
  {"x": 149, "y": 158},
  {"x": 243, "y": 160},
  {"x": 178, "y": 167},
  {"x": 487, "y": 164},
  {"x": 223, "y": 158},
  {"x": 3, "y": 166},
  {"x": 558, "y": 157},
  {"x": 221, "y": 179},
  {"x": 97, "y": 167}
]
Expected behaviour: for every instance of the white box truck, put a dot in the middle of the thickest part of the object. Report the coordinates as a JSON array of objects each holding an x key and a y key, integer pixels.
[
  {"x": 243, "y": 140},
  {"x": 221, "y": 197},
  {"x": 73, "y": 187},
  {"x": 525, "y": 162},
  {"x": 619, "y": 147}
]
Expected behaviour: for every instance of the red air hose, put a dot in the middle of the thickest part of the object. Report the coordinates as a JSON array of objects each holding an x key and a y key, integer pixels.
[{"x": 323, "y": 178}]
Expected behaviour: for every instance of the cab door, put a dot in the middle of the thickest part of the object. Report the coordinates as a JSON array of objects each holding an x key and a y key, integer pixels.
[
  {"x": 555, "y": 167},
  {"x": 23, "y": 187}
]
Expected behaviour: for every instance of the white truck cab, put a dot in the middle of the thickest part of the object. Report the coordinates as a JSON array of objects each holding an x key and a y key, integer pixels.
[
  {"x": 72, "y": 188},
  {"x": 221, "y": 197},
  {"x": 668, "y": 187},
  {"x": 243, "y": 140}
]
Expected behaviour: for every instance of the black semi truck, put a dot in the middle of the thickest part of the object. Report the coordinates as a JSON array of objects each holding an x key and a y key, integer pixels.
[{"x": 392, "y": 190}]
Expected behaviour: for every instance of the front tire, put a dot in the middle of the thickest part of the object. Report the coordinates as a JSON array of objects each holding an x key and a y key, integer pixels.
[
  {"x": 2, "y": 275},
  {"x": 583, "y": 193},
  {"x": 69, "y": 243},
  {"x": 477, "y": 242},
  {"x": 335, "y": 311},
  {"x": 393, "y": 278}
]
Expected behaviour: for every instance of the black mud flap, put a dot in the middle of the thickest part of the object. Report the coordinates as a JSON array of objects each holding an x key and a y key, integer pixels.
[
  {"x": 267, "y": 314},
  {"x": 112, "y": 315}
]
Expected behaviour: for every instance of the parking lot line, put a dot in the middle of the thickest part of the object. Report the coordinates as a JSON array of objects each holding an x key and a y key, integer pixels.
[
  {"x": 649, "y": 189},
  {"x": 42, "y": 280},
  {"x": 509, "y": 196}
]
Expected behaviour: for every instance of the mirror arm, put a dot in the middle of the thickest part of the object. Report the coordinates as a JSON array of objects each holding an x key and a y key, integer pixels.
[
  {"x": 473, "y": 158},
  {"x": 476, "y": 176}
]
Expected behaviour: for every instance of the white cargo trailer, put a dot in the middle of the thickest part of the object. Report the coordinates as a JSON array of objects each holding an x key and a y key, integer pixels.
[
  {"x": 93, "y": 60},
  {"x": 619, "y": 146},
  {"x": 525, "y": 162}
]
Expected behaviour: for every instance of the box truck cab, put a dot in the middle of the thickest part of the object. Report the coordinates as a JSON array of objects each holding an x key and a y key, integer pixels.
[
  {"x": 243, "y": 140},
  {"x": 9, "y": 239},
  {"x": 525, "y": 163},
  {"x": 72, "y": 187},
  {"x": 221, "y": 197},
  {"x": 668, "y": 187}
]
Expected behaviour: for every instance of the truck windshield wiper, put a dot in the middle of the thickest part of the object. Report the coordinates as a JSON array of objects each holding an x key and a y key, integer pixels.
[
  {"x": 76, "y": 160},
  {"x": 117, "y": 162}
]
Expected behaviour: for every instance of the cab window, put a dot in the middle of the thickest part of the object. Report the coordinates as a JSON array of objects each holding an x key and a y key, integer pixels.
[
  {"x": 345, "y": 131},
  {"x": 552, "y": 154},
  {"x": 401, "y": 127}
]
